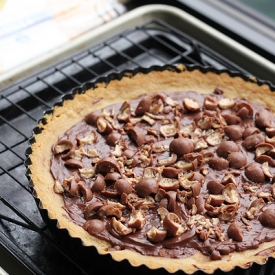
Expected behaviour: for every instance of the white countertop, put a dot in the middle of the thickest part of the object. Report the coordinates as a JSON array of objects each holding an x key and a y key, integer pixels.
[{"x": 31, "y": 29}]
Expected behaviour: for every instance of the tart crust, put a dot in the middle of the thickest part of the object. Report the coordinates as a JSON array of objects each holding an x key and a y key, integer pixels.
[{"x": 129, "y": 87}]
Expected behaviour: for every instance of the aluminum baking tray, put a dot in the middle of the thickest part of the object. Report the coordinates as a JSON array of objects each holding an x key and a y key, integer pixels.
[
  {"x": 143, "y": 37},
  {"x": 240, "y": 55}
]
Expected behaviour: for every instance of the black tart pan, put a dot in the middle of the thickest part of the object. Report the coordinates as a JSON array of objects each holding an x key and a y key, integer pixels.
[{"x": 88, "y": 256}]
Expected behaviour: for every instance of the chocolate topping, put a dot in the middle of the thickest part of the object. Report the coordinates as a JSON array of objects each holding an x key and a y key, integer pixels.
[
  {"x": 231, "y": 119},
  {"x": 227, "y": 147},
  {"x": 181, "y": 146},
  {"x": 94, "y": 226},
  {"x": 123, "y": 186},
  {"x": 250, "y": 131},
  {"x": 264, "y": 118},
  {"x": 254, "y": 172},
  {"x": 99, "y": 184},
  {"x": 210, "y": 103},
  {"x": 237, "y": 160},
  {"x": 218, "y": 164},
  {"x": 144, "y": 105},
  {"x": 233, "y": 132},
  {"x": 146, "y": 186},
  {"x": 214, "y": 187},
  {"x": 198, "y": 177},
  {"x": 243, "y": 109},
  {"x": 136, "y": 134},
  {"x": 64, "y": 147},
  {"x": 173, "y": 225},
  {"x": 106, "y": 165},
  {"x": 234, "y": 231},
  {"x": 267, "y": 218},
  {"x": 92, "y": 117},
  {"x": 215, "y": 255},
  {"x": 112, "y": 177},
  {"x": 251, "y": 142},
  {"x": 169, "y": 174},
  {"x": 113, "y": 138},
  {"x": 85, "y": 192},
  {"x": 92, "y": 209},
  {"x": 74, "y": 163},
  {"x": 103, "y": 126}
]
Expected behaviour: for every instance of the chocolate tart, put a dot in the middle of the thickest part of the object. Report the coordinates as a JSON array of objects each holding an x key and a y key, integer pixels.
[{"x": 226, "y": 97}]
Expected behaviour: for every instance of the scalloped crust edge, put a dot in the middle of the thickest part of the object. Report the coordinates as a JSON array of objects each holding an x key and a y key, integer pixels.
[{"x": 129, "y": 86}]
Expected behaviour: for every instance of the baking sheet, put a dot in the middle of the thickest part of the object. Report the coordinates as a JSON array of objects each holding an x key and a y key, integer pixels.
[
  {"x": 22, "y": 104},
  {"x": 244, "y": 57}
]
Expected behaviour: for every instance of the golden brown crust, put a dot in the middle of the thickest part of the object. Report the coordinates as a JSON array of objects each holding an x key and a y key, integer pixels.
[{"x": 130, "y": 87}]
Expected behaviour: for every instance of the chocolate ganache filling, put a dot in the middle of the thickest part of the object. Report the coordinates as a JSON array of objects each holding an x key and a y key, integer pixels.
[{"x": 170, "y": 174}]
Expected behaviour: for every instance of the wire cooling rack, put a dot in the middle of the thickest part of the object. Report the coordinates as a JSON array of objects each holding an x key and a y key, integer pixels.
[{"x": 23, "y": 233}]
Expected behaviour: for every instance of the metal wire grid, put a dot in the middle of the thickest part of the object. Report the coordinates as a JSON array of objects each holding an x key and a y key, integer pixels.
[{"x": 22, "y": 231}]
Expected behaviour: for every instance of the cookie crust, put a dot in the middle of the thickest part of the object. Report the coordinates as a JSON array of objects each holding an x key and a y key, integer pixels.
[{"x": 127, "y": 88}]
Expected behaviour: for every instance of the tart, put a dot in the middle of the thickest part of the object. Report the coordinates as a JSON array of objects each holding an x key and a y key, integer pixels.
[{"x": 169, "y": 167}]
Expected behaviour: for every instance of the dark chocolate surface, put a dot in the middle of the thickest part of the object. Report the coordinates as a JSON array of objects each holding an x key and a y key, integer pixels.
[{"x": 215, "y": 138}]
